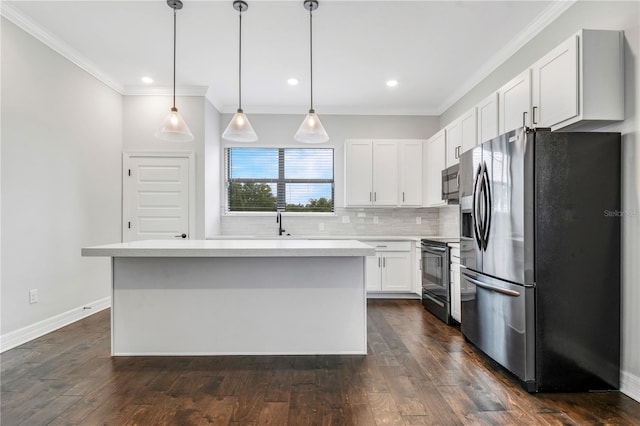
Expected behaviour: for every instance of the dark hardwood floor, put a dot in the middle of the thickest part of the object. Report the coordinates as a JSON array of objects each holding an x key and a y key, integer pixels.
[{"x": 418, "y": 372}]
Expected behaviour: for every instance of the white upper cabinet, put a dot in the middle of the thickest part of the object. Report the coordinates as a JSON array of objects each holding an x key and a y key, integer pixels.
[
  {"x": 434, "y": 163},
  {"x": 556, "y": 85},
  {"x": 468, "y": 130},
  {"x": 453, "y": 143},
  {"x": 580, "y": 83},
  {"x": 359, "y": 172},
  {"x": 383, "y": 172},
  {"x": 514, "y": 101},
  {"x": 488, "y": 118},
  {"x": 410, "y": 172}
]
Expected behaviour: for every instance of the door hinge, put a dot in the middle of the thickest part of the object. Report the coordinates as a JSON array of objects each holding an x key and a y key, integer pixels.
[{"x": 129, "y": 225}]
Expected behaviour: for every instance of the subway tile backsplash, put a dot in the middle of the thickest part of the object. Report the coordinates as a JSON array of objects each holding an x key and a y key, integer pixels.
[{"x": 352, "y": 221}]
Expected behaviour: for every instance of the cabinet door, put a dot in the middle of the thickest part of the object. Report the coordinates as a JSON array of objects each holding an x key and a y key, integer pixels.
[
  {"x": 396, "y": 271},
  {"x": 374, "y": 268},
  {"x": 455, "y": 293},
  {"x": 358, "y": 173},
  {"x": 488, "y": 118},
  {"x": 453, "y": 143},
  {"x": 434, "y": 155},
  {"x": 555, "y": 85},
  {"x": 514, "y": 100},
  {"x": 385, "y": 173},
  {"x": 410, "y": 171},
  {"x": 468, "y": 130}
]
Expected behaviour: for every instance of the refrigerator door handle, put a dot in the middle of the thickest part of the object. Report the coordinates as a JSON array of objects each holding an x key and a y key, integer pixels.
[
  {"x": 477, "y": 225},
  {"x": 488, "y": 208},
  {"x": 511, "y": 293}
]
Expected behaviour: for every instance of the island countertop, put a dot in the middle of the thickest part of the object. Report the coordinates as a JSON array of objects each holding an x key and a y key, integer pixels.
[{"x": 233, "y": 248}]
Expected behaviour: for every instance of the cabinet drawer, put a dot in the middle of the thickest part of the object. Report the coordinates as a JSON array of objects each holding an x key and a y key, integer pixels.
[{"x": 390, "y": 245}]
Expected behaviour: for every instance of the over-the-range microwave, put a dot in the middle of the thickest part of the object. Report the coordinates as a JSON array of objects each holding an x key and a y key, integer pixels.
[{"x": 451, "y": 184}]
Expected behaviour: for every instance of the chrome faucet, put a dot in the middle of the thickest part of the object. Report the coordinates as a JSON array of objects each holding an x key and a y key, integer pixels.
[{"x": 279, "y": 222}]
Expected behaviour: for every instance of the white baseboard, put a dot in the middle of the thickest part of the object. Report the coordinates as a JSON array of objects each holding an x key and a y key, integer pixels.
[
  {"x": 630, "y": 385},
  {"x": 400, "y": 295},
  {"x": 33, "y": 331}
]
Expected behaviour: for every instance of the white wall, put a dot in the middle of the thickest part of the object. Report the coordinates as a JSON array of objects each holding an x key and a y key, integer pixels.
[
  {"x": 61, "y": 149},
  {"x": 598, "y": 15},
  {"x": 278, "y": 130},
  {"x": 142, "y": 115},
  {"x": 212, "y": 169}
]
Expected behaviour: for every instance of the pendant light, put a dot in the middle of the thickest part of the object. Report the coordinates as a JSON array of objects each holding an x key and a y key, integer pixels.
[
  {"x": 239, "y": 128},
  {"x": 173, "y": 128},
  {"x": 311, "y": 129}
]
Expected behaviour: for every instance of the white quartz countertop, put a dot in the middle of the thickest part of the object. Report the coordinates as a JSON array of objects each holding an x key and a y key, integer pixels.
[
  {"x": 278, "y": 247},
  {"x": 331, "y": 237}
]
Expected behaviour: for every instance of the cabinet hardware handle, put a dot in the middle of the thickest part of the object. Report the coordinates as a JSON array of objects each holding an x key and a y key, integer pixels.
[
  {"x": 379, "y": 259},
  {"x": 458, "y": 180},
  {"x": 457, "y": 152},
  {"x": 375, "y": 196},
  {"x": 381, "y": 246},
  {"x": 384, "y": 262},
  {"x": 403, "y": 196},
  {"x": 370, "y": 198},
  {"x": 534, "y": 115},
  {"x": 524, "y": 119}
]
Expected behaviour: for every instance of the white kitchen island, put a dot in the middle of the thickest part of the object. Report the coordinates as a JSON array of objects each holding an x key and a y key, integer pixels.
[{"x": 228, "y": 297}]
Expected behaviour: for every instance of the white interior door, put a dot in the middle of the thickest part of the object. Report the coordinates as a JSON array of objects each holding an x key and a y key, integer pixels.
[{"x": 157, "y": 197}]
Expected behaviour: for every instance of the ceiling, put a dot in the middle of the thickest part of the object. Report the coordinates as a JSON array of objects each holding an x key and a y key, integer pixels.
[{"x": 437, "y": 50}]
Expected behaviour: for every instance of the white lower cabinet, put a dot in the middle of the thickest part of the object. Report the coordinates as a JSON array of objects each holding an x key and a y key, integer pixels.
[
  {"x": 390, "y": 269},
  {"x": 454, "y": 282}
]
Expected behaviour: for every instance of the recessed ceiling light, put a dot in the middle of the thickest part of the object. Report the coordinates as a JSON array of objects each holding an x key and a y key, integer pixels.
[
  {"x": 147, "y": 80},
  {"x": 392, "y": 83},
  {"x": 292, "y": 81}
]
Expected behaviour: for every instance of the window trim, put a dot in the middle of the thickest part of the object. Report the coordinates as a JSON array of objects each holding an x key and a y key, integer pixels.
[{"x": 280, "y": 193}]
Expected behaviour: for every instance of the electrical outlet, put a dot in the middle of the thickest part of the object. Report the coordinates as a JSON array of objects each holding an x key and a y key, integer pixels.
[
  {"x": 346, "y": 219},
  {"x": 321, "y": 227},
  {"x": 375, "y": 219},
  {"x": 418, "y": 220},
  {"x": 33, "y": 296}
]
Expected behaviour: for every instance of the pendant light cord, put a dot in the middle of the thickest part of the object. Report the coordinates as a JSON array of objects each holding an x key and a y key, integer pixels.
[
  {"x": 311, "y": 54},
  {"x": 240, "y": 62},
  {"x": 174, "y": 57}
]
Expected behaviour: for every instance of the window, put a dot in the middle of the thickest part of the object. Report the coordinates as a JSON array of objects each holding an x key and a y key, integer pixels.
[{"x": 286, "y": 179}]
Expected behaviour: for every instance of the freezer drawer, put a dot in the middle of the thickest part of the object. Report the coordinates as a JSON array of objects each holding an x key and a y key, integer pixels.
[{"x": 498, "y": 318}]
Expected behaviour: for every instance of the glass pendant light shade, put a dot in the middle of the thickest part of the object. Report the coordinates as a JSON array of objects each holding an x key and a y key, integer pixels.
[
  {"x": 311, "y": 130},
  {"x": 174, "y": 128},
  {"x": 240, "y": 129}
]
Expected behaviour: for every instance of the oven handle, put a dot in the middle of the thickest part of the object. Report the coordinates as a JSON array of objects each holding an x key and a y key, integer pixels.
[
  {"x": 432, "y": 249},
  {"x": 511, "y": 293}
]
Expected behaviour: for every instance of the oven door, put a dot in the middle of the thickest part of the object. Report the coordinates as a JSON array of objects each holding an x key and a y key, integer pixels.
[{"x": 435, "y": 281}]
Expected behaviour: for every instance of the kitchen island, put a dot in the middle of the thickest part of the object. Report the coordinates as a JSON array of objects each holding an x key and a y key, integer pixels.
[{"x": 232, "y": 297}]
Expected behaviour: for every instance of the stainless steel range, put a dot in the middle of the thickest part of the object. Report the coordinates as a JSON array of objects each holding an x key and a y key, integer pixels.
[{"x": 436, "y": 294}]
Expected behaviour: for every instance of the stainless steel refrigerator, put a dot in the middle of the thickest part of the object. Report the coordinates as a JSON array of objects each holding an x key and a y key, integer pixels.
[{"x": 540, "y": 254}]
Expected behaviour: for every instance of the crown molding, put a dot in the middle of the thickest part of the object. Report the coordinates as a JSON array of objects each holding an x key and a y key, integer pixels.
[
  {"x": 18, "y": 18},
  {"x": 326, "y": 110},
  {"x": 165, "y": 90},
  {"x": 545, "y": 18}
]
